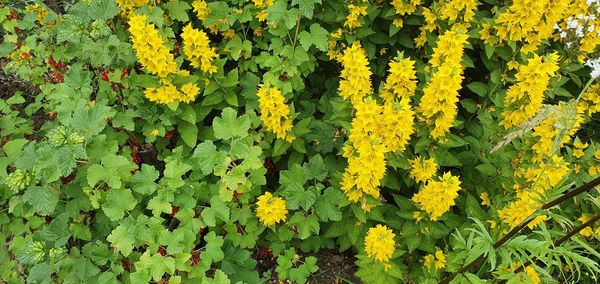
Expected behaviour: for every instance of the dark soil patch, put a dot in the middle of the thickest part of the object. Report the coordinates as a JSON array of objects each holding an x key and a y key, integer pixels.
[{"x": 335, "y": 267}]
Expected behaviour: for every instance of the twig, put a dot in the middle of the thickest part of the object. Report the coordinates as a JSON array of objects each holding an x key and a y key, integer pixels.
[{"x": 523, "y": 224}]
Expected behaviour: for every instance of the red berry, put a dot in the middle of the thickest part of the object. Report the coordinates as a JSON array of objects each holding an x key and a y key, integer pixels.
[
  {"x": 162, "y": 251},
  {"x": 104, "y": 75},
  {"x": 126, "y": 266}
]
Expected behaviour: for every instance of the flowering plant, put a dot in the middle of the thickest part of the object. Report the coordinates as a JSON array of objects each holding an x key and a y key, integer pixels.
[{"x": 241, "y": 141}]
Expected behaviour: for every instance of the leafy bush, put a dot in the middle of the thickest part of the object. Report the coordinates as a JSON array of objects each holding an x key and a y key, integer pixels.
[{"x": 235, "y": 141}]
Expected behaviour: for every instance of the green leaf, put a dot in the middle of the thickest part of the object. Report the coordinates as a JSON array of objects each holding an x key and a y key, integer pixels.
[
  {"x": 297, "y": 197},
  {"x": 178, "y": 10},
  {"x": 318, "y": 37},
  {"x": 156, "y": 265},
  {"x": 143, "y": 180},
  {"x": 217, "y": 208},
  {"x": 229, "y": 126},
  {"x": 307, "y": 225},
  {"x": 327, "y": 206},
  {"x": 112, "y": 169},
  {"x": 315, "y": 168},
  {"x": 206, "y": 157},
  {"x": 117, "y": 202},
  {"x": 42, "y": 199},
  {"x": 103, "y": 9},
  {"x": 301, "y": 273},
  {"x": 478, "y": 88},
  {"x": 121, "y": 240},
  {"x": 213, "y": 251},
  {"x": 188, "y": 133},
  {"x": 307, "y": 7}
]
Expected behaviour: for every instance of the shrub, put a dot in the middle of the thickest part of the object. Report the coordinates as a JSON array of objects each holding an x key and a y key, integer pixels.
[{"x": 236, "y": 141}]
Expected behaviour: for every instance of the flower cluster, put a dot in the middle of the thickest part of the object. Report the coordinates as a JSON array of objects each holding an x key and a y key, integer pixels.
[
  {"x": 379, "y": 244},
  {"x": 128, "y": 6},
  {"x": 438, "y": 195},
  {"x": 376, "y": 128},
  {"x": 435, "y": 261},
  {"x": 196, "y": 46},
  {"x": 355, "y": 83},
  {"x": 438, "y": 103},
  {"x": 168, "y": 93},
  {"x": 528, "y": 21},
  {"x": 356, "y": 11},
  {"x": 539, "y": 179},
  {"x": 201, "y": 9},
  {"x": 375, "y": 132},
  {"x": 402, "y": 80},
  {"x": 274, "y": 113},
  {"x": 581, "y": 30},
  {"x": 525, "y": 97},
  {"x": 423, "y": 170},
  {"x": 270, "y": 210},
  {"x": 404, "y": 7},
  {"x": 150, "y": 48}
]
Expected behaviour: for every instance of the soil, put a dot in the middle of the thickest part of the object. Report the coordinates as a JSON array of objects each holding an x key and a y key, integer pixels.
[{"x": 334, "y": 267}]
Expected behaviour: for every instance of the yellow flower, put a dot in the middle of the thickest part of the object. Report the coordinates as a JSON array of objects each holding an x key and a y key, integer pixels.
[
  {"x": 127, "y": 6},
  {"x": 262, "y": 3},
  {"x": 337, "y": 34},
  {"x": 579, "y": 147},
  {"x": 485, "y": 199},
  {"x": 379, "y": 244},
  {"x": 196, "y": 46},
  {"x": 588, "y": 231},
  {"x": 164, "y": 94},
  {"x": 155, "y": 132},
  {"x": 524, "y": 99},
  {"x": 39, "y": 11},
  {"x": 274, "y": 113},
  {"x": 150, "y": 48},
  {"x": 355, "y": 83},
  {"x": 352, "y": 21},
  {"x": 402, "y": 80},
  {"x": 270, "y": 210},
  {"x": 422, "y": 169},
  {"x": 531, "y": 21},
  {"x": 438, "y": 103},
  {"x": 436, "y": 261},
  {"x": 438, "y": 196},
  {"x": 201, "y": 9},
  {"x": 540, "y": 179},
  {"x": 532, "y": 275},
  {"x": 189, "y": 92}
]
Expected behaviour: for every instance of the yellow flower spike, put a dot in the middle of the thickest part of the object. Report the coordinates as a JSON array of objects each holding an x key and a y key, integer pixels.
[
  {"x": 437, "y": 106},
  {"x": 438, "y": 195},
  {"x": 274, "y": 112},
  {"x": 150, "y": 48},
  {"x": 352, "y": 21},
  {"x": 422, "y": 170},
  {"x": 380, "y": 244},
  {"x": 196, "y": 47},
  {"x": 524, "y": 99},
  {"x": 270, "y": 210},
  {"x": 201, "y": 9},
  {"x": 355, "y": 83}
]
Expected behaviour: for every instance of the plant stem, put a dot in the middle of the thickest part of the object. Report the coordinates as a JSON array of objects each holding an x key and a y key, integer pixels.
[
  {"x": 523, "y": 224},
  {"x": 563, "y": 239}
]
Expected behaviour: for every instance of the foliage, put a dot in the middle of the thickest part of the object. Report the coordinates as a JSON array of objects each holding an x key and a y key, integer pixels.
[{"x": 174, "y": 141}]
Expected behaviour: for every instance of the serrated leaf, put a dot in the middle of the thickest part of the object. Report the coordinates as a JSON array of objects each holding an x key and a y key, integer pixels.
[
  {"x": 230, "y": 126},
  {"x": 317, "y": 36},
  {"x": 117, "y": 202},
  {"x": 42, "y": 199},
  {"x": 121, "y": 240}
]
